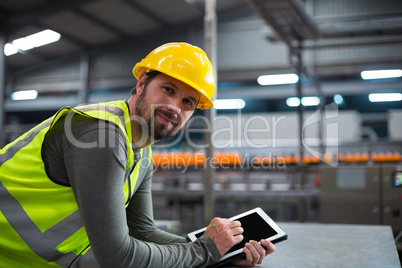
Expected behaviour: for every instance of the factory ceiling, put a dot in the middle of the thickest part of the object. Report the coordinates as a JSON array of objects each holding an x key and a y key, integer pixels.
[
  {"x": 293, "y": 24},
  {"x": 87, "y": 25}
]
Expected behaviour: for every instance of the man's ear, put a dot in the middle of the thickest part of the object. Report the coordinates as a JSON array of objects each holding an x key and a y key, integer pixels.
[{"x": 141, "y": 83}]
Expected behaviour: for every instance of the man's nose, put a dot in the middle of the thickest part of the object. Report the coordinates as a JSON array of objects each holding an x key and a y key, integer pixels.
[{"x": 174, "y": 106}]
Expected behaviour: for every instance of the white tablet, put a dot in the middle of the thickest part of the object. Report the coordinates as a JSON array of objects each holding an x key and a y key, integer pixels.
[{"x": 257, "y": 225}]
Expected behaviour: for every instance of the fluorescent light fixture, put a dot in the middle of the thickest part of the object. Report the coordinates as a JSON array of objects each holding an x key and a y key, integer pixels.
[
  {"x": 31, "y": 41},
  {"x": 310, "y": 101},
  {"x": 277, "y": 79},
  {"x": 24, "y": 95},
  {"x": 43, "y": 38},
  {"x": 9, "y": 49},
  {"x": 381, "y": 74},
  {"x": 229, "y": 104},
  {"x": 293, "y": 101},
  {"x": 380, "y": 97},
  {"x": 306, "y": 101},
  {"x": 338, "y": 99}
]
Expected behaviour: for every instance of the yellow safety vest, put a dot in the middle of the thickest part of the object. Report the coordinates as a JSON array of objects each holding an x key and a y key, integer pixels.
[{"x": 40, "y": 224}]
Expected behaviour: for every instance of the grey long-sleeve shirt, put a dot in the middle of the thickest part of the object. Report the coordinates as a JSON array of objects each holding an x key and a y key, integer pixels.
[{"x": 119, "y": 236}]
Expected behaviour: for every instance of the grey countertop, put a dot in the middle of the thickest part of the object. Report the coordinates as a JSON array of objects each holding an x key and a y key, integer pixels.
[
  {"x": 314, "y": 245},
  {"x": 334, "y": 245}
]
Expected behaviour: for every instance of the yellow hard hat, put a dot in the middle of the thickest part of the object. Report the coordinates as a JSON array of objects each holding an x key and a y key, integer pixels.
[{"x": 184, "y": 62}]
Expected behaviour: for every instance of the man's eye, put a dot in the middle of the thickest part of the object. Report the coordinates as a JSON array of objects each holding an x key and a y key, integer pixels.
[
  {"x": 169, "y": 90},
  {"x": 188, "y": 102}
]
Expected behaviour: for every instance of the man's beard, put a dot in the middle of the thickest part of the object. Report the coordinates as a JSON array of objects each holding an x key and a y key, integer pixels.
[{"x": 148, "y": 126}]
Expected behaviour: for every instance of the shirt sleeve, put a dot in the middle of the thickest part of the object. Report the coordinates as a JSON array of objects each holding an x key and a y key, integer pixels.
[
  {"x": 95, "y": 165},
  {"x": 140, "y": 218}
]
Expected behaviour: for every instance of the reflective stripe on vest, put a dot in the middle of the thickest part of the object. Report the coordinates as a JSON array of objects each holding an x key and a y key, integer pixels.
[
  {"x": 44, "y": 243},
  {"x": 12, "y": 150}
]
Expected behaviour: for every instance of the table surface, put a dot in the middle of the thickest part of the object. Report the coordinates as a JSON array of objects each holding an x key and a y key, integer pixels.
[{"x": 334, "y": 245}]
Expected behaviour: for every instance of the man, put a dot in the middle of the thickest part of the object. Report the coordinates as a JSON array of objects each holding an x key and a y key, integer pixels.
[{"x": 83, "y": 177}]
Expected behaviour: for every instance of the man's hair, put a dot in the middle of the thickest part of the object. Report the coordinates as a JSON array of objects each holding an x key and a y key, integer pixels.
[{"x": 150, "y": 76}]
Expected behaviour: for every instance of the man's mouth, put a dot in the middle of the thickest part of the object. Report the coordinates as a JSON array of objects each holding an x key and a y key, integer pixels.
[{"x": 167, "y": 119}]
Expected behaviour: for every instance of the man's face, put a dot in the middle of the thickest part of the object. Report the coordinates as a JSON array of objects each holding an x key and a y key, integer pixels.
[{"x": 165, "y": 104}]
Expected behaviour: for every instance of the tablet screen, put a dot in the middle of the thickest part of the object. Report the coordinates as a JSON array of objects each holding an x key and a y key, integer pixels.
[{"x": 255, "y": 228}]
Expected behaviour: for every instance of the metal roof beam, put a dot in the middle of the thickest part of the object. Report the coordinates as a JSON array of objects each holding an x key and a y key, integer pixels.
[
  {"x": 287, "y": 17},
  {"x": 21, "y": 19},
  {"x": 100, "y": 22},
  {"x": 147, "y": 13}
]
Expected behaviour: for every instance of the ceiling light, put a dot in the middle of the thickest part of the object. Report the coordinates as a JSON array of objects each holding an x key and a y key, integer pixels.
[
  {"x": 22, "y": 44},
  {"x": 24, "y": 95},
  {"x": 43, "y": 38},
  {"x": 293, "y": 101},
  {"x": 277, "y": 79},
  {"x": 306, "y": 101},
  {"x": 310, "y": 101},
  {"x": 9, "y": 49},
  {"x": 31, "y": 41},
  {"x": 381, "y": 74},
  {"x": 229, "y": 104},
  {"x": 380, "y": 97},
  {"x": 338, "y": 99}
]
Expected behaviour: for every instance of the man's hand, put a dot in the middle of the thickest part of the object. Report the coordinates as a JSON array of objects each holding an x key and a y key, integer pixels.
[
  {"x": 225, "y": 233},
  {"x": 255, "y": 253}
]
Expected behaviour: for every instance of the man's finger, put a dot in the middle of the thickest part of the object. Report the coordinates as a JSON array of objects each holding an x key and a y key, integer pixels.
[
  {"x": 260, "y": 250},
  {"x": 255, "y": 256},
  {"x": 237, "y": 239},
  {"x": 268, "y": 246},
  {"x": 237, "y": 230},
  {"x": 235, "y": 224}
]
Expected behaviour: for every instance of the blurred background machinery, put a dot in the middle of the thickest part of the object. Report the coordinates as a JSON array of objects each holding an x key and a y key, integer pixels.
[{"x": 362, "y": 194}]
